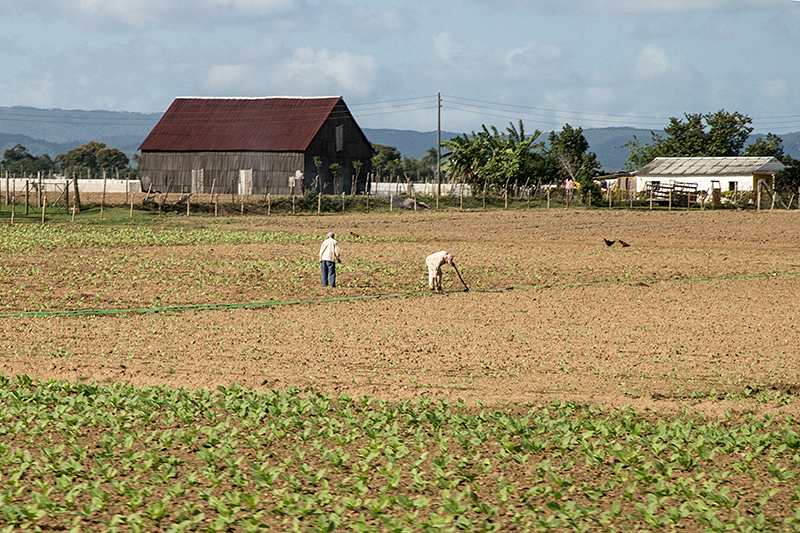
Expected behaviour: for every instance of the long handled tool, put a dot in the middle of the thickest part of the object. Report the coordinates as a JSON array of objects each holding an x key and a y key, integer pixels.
[{"x": 466, "y": 289}]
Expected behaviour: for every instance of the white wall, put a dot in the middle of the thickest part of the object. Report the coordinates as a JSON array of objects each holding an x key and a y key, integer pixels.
[
  {"x": 427, "y": 189},
  {"x": 89, "y": 186}
]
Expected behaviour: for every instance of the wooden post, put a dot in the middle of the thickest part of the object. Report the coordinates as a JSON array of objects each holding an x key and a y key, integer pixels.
[
  {"x": 27, "y": 191},
  {"x": 548, "y": 198},
  {"x": 44, "y": 207},
  {"x": 670, "y": 201},
  {"x": 367, "y": 204},
  {"x": 505, "y": 198},
  {"x": 651, "y": 199},
  {"x": 461, "y": 197},
  {"x": 484, "y": 196},
  {"x": 758, "y": 196},
  {"x": 319, "y": 203},
  {"x": 391, "y": 203},
  {"x": 103, "y": 196},
  {"x": 66, "y": 194},
  {"x": 188, "y": 202},
  {"x": 76, "y": 204},
  {"x": 13, "y": 205},
  {"x": 131, "y": 198},
  {"x": 415, "y": 202},
  {"x": 269, "y": 203},
  {"x": 243, "y": 204},
  {"x": 216, "y": 202},
  {"x": 39, "y": 190},
  {"x": 608, "y": 192},
  {"x": 342, "y": 202},
  {"x": 293, "y": 204}
]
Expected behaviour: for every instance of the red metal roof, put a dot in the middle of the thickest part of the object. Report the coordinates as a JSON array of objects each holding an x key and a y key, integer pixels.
[{"x": 240, "y": 124}]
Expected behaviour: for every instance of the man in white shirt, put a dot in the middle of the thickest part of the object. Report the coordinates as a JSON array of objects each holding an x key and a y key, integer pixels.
[
  {"x": 328, "y": 257},
  {"x": 435, "y": 262}
]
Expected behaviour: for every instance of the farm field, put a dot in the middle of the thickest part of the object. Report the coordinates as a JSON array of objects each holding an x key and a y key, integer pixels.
[{"x": 653, "y": 386}]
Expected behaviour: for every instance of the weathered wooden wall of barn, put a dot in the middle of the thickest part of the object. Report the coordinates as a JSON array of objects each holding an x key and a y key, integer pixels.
[
  {"x": 354, "y": 146},
  {"x": 172, "y": 171}
]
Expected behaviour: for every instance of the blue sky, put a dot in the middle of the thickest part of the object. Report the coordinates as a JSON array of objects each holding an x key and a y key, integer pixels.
[{"x": 591, "y": 63}]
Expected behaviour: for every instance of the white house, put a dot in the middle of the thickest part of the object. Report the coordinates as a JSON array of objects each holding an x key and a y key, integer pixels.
[{"x": 732, "y": 173}]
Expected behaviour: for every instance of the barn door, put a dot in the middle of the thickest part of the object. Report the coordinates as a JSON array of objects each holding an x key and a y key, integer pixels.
[
  {"x": 246, "y": 182},
  {"x": 197, "y": 181}
]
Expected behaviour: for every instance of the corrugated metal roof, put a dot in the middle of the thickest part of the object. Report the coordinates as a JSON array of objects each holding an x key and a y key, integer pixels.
[
  {"x": 282, "y": 124},
  {"x": 710, "y": 166}
]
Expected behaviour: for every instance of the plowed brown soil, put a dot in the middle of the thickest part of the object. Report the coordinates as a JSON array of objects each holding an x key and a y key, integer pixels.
[{"x": 700, "y": 312}]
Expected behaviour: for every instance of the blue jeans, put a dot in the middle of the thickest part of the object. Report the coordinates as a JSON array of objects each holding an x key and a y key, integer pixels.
[{"x": 328, "y": 273}]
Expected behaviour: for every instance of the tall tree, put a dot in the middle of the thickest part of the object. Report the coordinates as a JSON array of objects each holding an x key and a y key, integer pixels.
[
  {"x": 382, "y": 161},
  {"x": 494, "y": 159},
  {"x": 111, "y": 159},
  {"x": 768, "y": 146},
  {"x": 18, "y": 160},
  {"x": 717, "y": 134},
  {"x": 570, "y": 150},
  {"x": 787, "y": 181}
]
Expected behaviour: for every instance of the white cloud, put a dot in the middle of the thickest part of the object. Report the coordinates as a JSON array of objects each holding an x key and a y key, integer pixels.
[
  {"x": 378, "y": 21},
  {"x": 536, "y": 59},
  {"x": 152, "y": 13},
  {"x": 617, "y": 7},
  {"x": 775, "y": 90},
  {"x": 318, "y": 72},
  {"x": 654, "y": 62},
  {"x": 227, "y": 78},
  {"x": 447, "y": 46}
]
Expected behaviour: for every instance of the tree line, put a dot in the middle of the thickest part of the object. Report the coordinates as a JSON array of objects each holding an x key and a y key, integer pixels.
[
  {"x": 93, "y": 156},
  {"x": 498, "y": 161}
]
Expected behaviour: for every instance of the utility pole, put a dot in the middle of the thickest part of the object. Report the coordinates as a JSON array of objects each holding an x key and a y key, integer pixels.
[{"x": 439, "y": 144}]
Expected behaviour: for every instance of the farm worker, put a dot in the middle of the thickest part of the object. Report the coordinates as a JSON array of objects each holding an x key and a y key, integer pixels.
[
  {"x": 435, "y": 263},
  {"x": 328, "y": 257}
]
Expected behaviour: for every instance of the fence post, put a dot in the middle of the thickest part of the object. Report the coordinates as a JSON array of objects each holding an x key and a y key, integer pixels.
[
  {"x": 758, "y": 196},
  {"x": 319, "y": 203},
  {"x": 44, "y": 207},
  {"x": 103, "y": 196}
]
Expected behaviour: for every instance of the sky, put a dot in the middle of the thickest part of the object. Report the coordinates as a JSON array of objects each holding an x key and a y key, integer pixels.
[{"x": 589, "y": 63}]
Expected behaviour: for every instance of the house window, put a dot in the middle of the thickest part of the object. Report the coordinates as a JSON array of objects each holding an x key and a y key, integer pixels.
[
  {"x": 731, "y": 185},
  {"x": 339, "y": 137}
]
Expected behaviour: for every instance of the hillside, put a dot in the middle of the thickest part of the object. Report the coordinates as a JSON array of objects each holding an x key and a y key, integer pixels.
[{"x": 56, "y": 131}]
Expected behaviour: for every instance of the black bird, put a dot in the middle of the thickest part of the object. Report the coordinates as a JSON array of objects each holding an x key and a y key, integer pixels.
[
  {"x": 353, "y": 234},
  {"x": 608, "y": 243},
  {"x": 623, "y": 243}
]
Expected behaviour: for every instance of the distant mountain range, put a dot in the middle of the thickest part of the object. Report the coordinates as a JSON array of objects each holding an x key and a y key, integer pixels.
[{"x": 56, "y": 131}]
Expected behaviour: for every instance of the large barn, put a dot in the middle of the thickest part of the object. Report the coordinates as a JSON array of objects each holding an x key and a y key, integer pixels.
[{"x": 255, "y": 146}]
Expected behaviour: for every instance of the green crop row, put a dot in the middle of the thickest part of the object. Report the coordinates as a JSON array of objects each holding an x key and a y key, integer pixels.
[
  {"x": 26, "y": 237},
  {"x": 86, "y": 457}
]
